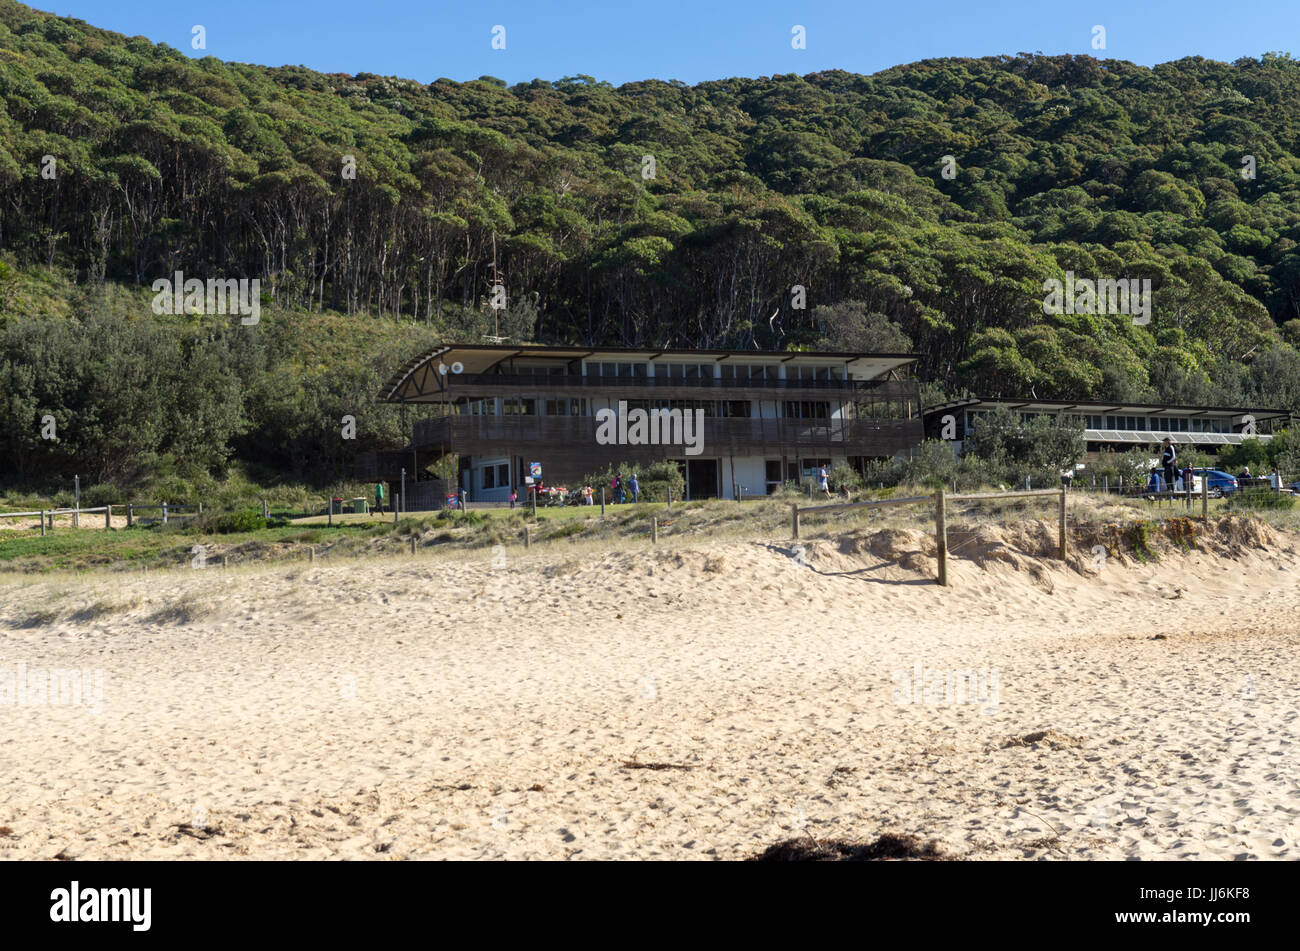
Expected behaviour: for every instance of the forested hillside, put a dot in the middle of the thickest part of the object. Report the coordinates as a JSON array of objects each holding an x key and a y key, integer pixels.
[{"x": 832, "y": 181}]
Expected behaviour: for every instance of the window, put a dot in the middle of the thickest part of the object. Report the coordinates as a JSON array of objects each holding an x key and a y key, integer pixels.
[
  {"x": 557, "y": 407},
  {"x": 807, "y": 409},
  {"x": 503, "y": 474},
  {"x": 511, "y": 406},
  {"x": 817, "y": 373},
  {"x": 489, "y": 477}
]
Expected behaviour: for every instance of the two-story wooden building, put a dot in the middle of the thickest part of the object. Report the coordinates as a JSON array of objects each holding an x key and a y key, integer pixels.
[{"x": 767, "y": 417}]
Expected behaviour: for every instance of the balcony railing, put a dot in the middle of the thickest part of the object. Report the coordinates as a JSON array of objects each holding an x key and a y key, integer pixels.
[
  {"x": 541, "y": 383},
  {"x": 508, "y": 434}
]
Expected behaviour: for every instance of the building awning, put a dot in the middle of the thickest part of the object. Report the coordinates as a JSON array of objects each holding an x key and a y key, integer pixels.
[{"x": 1145, "y": 437}]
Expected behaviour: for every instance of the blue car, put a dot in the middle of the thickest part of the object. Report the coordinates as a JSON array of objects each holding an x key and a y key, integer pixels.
[{"x": 1221, "y": 483}]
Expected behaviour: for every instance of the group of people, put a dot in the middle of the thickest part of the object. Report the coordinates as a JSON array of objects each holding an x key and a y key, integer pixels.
[
  {"x": 621, "y": 490},
  {"x": 1185, "y": 479},
  {"x": 625, "y": 491},
  {"x": 1173, "y": 477},
  {"x": 1274, "y": 478}
]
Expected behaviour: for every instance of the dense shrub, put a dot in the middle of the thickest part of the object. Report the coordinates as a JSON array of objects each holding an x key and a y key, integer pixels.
[{"x": 232, "y": 523}]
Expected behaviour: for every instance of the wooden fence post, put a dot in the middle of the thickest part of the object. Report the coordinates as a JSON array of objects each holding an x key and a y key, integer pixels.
[
  {"x": 669, "y": 492},
  {"x": 1205, "y": 497},
  {"x": 528, "y": 536},
  {"x": 1061, "y": 528},
  {"x": 265, "y": 513},
  {"x": 412, "y": 544},
  {"x": 794, "y": 520},
  {"x": 654, "y": 530},
  {"x": 311, "y": 553},
  {"x": 130, "y": 515},
  {"x": 602, "y": 502},
  {"x": 108, "y": 516},
  {"x": 941, "y": 535},
  {"x": 532, "y": 501},
  {"x": 42, "y": 523}
]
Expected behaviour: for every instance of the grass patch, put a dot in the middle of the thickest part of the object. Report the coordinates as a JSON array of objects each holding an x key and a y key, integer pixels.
[
  {"x": 39, "y": 618},
  {"x": 100, "y": 608},
  {"x": 184, "y": 610}
]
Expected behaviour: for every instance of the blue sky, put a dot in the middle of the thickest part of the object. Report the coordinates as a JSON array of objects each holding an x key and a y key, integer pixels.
[{"x": 624, "y": 40}]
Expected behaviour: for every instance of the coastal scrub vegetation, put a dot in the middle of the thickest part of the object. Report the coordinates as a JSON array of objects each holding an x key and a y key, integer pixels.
[{"x": 123, "y": 161}]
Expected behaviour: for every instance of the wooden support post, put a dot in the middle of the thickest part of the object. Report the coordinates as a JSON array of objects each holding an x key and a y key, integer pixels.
[
  {"x": 941, "y": 536},
  {"x": 1205, "y": 497},
  {"x": 200, "y": 508},
  {"x": 412, "y": 544},
  {"x": 223, "y": 562},
  {"x": 528, "y": 536},
  {"x": 108, "y": 516},
  {"x": 265, "y": 512},
  {"x": 532, "y": 501},
  {"x": 42, "y": 523},
  {"x": 794, "y": 520},
  {"x": 1061, "y": 529},
  {"x": 311, "y": 553},
  {"x": 602, "y": 502},
  {"x": 670, "y": 496},
  {"x": 329, "y": 509},
  {"x": 130, "y": 515},
  {"x": 394, "y": 516},
  {"x": 654, "y": 530}
]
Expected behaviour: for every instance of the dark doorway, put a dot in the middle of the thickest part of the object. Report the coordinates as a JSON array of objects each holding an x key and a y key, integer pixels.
[{"x": 702, "y": 478}]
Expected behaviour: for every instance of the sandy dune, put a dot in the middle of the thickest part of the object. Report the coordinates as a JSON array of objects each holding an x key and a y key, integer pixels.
[{"x": 671, "y": 703}]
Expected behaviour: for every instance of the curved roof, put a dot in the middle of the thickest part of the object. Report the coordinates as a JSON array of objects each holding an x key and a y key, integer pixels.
[{"x": 417, "y": 374}]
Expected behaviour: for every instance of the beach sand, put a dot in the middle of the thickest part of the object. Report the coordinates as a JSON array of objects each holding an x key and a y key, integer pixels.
[{"x": 692, "y": 701}]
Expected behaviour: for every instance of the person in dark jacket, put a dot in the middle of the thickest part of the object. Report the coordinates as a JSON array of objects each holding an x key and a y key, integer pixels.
[{"x": 1168, "y": 458}]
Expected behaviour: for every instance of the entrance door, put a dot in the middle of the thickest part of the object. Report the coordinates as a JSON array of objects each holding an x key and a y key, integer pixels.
[{"x": 702, "y": 478}]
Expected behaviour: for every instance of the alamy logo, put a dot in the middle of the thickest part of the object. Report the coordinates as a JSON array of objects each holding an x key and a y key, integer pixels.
[
  {"x": 944, "y": 687},
  {"x": 656, "y": 427},
  {"x": 1102, "y": 296},
  {"x": 37, "y": 687},
  {"x": 176, "y": 295},
  {"x": 103, "y": 904}
]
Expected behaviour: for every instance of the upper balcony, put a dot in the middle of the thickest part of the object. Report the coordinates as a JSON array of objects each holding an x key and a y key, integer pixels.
[{"x": 480, "y": 385}]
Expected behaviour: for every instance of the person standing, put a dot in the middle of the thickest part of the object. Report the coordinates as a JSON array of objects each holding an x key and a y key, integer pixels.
[
  {"x": 1189, "y": 478},
  {"x": 617, "y": 487},
  {"x": 514, "y": 497},
  {"x": 1275, "y": 480},
  {"x": 823, "y": 479},
  {"x": 379, "y": 498},
  {"x": 635, "y": 486},
  {"x": 1168, "y": 457}
]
